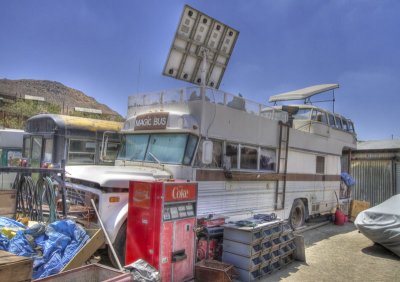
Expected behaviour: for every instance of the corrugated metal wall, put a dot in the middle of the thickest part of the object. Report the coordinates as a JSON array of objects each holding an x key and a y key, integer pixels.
[{"x": 374, "y": 179}]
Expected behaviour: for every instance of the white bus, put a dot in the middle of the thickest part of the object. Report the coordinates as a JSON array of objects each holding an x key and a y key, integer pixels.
[{"x": 247, "y": 158}]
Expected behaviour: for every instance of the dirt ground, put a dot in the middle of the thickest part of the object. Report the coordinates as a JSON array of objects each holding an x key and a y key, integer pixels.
[{"x": 340, "y": 253}]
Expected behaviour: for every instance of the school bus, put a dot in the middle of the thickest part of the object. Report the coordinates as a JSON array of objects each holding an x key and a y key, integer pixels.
[{"x": 51, "y": 138}]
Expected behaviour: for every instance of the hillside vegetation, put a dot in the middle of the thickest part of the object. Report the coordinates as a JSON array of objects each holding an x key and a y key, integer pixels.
[{"x": 16, "y": 105}]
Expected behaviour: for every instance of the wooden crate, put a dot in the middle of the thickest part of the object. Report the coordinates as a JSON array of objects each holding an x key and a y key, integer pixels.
[
  {"x": 89, "y": 273},
  {"x": 15, "y": 268},
  {"x": 212, "y": 270},
  {"x": 356, "y": 207},
  {"x": 8, "y": 203}
]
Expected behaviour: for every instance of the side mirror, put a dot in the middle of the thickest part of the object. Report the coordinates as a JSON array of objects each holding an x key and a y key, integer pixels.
[
  {"x": 207, "y": 149},
  {"x": 104, "y": 154},
  {"x": 104, "y": 144}
]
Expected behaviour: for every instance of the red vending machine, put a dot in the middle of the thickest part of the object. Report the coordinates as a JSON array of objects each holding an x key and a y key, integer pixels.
[{"x": 161, "y": 220}]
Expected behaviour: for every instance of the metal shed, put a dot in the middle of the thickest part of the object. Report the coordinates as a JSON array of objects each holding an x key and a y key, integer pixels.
[{"x": 375, "y": 166}]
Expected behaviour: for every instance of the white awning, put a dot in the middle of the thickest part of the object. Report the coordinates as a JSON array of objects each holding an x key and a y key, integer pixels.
[{"x": 303, "y": 93}]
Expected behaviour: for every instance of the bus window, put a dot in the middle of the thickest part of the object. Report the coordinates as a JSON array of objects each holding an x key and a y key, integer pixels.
[
  {"x": 10, "y": 157},
  {"x": 190, "y": 148},
  {"x": 303, "y": 114},
  {"x": 158, "y": 144},
  {"x": 267, "y": 159},
  {"x": 338, "y": 122},
  {"x": 27, "y": 147},
  {"x": 331, "y": 120},
  {"x": 232, "y": 154},
  {"x": 81, "y": 151},
  {"x": 351, "y": 126},
  {"x": 13, "y": 157},
  {"x": 48, "y": 151},
  {"x": 345, "y": 126},
  {"x": 36, "y": 151},
  {"x": 319, "y": 116},
  {"x": 248, "y": 157}
]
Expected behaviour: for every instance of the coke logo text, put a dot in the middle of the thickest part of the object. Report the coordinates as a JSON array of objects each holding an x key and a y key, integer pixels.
[{"x": 180, "y": 193}]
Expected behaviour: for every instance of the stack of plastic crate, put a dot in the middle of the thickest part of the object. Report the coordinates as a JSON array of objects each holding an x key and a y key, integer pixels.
[{"x": 258, "y": 250}]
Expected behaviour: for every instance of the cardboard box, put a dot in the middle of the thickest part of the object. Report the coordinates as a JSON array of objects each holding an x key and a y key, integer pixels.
[
  {"x": 15, "y": 268},
  {"x": 357, "y": 207},
  {"x": 8, "y": 203}
]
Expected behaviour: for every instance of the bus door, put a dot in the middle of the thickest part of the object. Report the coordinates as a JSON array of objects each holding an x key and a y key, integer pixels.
[{"x": 38, "y": 150}]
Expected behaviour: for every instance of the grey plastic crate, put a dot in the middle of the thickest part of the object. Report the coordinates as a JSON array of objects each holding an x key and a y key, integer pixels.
[
  {"x": 272, "y": 230},
  {"x": 287, "y": 237},
  {"x": 244, "y": 235},
  {"x": 266, "y": 269},
  {"x": 276, "y": 265},
  {"x": 276, "y": 243},
  {"x": 242, "y": 262},
  {"x": 286, "y": 228},
  {"x": 287, "y": 247},
  {"x": 286, "y": 259},
  {"x": 266, "y": 246},
  {"x": 266, "y": 258},
  {"x": 246, "y": 275},
  {"x": 292, "y": 245},
  {"x": 277, "y": 253},
  {"x": 241, "y": 248}
]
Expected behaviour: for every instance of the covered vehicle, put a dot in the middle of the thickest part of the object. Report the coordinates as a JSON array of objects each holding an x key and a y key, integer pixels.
[{"x": 381, "y": 224}]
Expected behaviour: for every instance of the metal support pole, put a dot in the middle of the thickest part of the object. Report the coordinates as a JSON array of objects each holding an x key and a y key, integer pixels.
[
  {"x": 64, "y": 202},
  {"x": 106, "y": 235}
]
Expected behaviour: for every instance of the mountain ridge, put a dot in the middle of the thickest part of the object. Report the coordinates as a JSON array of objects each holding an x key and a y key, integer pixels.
[{"x": 53, "y": 92}]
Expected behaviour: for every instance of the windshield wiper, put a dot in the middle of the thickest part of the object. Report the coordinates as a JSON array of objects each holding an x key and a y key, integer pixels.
[{"x": 154, "y": 157}]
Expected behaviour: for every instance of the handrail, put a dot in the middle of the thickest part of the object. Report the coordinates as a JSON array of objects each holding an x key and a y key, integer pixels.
[{"x": 183, "y": 96}]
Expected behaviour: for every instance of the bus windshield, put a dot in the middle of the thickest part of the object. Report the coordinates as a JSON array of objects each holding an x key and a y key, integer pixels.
[{"x": 176, "y": 148}]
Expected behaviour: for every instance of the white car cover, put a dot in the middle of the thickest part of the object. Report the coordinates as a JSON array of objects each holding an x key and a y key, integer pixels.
[{"x": 381, "y": 224}]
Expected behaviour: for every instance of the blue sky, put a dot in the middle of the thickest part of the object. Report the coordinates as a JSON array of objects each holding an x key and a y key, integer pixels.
[{"x": 97, "y": 46}]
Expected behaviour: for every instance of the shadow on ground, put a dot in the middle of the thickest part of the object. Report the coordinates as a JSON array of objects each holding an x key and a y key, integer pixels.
[
  {"x": 325, "y": 231},
  {"x": 379, "y": 251}
]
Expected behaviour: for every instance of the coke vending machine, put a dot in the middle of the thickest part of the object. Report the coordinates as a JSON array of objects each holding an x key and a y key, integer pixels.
[{"x": 161, "y": 221}]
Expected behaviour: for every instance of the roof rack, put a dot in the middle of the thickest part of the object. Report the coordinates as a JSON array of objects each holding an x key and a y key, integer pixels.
[{"x": 304, "y": 93}]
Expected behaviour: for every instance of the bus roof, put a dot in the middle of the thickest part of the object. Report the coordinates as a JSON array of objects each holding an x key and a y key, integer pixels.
[{"x": 64, "y": 121}]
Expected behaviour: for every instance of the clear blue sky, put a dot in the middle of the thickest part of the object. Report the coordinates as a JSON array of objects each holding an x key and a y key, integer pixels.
[{"x": 97, "y": 46}]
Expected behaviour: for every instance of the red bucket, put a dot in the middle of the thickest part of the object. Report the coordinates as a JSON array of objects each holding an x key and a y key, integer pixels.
[{"x": 339, "y": 217}]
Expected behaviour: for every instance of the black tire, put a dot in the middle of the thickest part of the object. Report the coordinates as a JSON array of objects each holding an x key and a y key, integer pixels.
[
  {"x": 297, "y": 215},
  {"x": 119, "y": 247}
]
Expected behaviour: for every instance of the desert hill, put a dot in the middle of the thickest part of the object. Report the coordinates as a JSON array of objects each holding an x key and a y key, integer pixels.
[{"x": 53, "y": 92}]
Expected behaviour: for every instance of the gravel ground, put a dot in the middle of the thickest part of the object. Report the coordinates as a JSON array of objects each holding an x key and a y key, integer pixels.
[{"x": 340, "y": 253}]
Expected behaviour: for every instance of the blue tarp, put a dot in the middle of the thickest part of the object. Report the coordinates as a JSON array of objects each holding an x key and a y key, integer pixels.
[
  {"x": 347, "y": 179},
  {"x": 51, "y": 246}
]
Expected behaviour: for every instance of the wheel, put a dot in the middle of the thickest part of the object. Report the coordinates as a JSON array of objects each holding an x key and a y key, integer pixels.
[
  {"x": 297, "y": 215},
  {"x": 119, "y": 247}
]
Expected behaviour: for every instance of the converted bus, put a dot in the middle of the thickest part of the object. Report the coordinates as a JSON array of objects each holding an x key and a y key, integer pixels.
[
  {"x": 246, "y": 158},
  {"x": 51, "y": 138}
]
